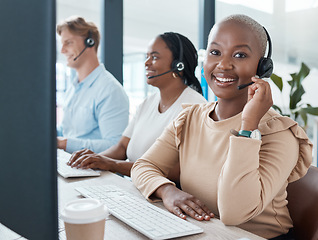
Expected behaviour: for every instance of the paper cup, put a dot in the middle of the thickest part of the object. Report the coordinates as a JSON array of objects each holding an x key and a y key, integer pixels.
[{"x": 84, "y": 219}]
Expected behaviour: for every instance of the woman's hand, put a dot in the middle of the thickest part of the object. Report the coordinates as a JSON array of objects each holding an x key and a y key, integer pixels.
[
  {"x": 88, "y": 159},
  {"x": 258, "y": 102},
  {"x": 181, "y": 203}
]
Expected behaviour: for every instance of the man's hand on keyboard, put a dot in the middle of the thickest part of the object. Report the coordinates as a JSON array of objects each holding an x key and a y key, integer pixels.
[
  {"x": 88, "y": 159},
  {"x": 181, "y": 203},
  {"x": 61, "y": 143}
]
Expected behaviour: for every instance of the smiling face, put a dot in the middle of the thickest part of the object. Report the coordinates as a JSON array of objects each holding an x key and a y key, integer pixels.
[
  {"x": 232, "y": 56},
  {"x": 158, "y": 60},
  {"x": 72, "y": 45}
]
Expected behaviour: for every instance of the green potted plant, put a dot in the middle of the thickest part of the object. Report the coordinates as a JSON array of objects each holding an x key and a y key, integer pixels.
[{"x": 296, "y": 107}]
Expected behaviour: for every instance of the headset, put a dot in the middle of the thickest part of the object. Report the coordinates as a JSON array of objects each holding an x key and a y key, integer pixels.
[
  {"x": 177, "y": 65},
  {"x": 265, "y": 65},
  {"x": 88, "y": 42}
]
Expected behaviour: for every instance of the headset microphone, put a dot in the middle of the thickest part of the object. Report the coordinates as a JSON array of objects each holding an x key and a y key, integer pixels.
[
  {"x": 79, "y": 54},
  {"x": 149, "y": 77},
  {"x": 177, "y": 65},
  {"x": 89, "y": 42}
]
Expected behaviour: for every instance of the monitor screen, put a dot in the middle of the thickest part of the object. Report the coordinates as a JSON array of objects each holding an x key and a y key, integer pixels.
[{"x": 28, "y": 178}]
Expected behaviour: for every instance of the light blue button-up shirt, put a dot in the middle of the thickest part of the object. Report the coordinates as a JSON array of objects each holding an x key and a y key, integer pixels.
[{"x": 96, "y": 112}]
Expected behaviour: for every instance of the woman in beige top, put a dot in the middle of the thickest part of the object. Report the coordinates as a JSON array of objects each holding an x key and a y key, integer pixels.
[{"x": 241, "y": 178}]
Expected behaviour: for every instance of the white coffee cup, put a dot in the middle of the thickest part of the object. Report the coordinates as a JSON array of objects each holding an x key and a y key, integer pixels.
[{"x": 84, "y": 219}]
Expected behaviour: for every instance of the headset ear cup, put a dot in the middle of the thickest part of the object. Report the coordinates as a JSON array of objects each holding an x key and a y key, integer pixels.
[
  {"x": 265, "y": 67},
  {"x": 89, "y": 42},
  {"x": 177, "y": 66}
]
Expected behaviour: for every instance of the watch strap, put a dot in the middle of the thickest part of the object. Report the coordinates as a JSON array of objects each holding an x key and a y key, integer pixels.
[{"x": 244, "y": 133}]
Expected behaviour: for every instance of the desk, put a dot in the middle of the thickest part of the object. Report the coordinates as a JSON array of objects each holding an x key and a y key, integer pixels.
[{"x": 117, "y": 230}]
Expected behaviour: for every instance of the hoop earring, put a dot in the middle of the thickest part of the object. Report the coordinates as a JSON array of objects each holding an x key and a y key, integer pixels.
[{"x": 174, "y": 75}]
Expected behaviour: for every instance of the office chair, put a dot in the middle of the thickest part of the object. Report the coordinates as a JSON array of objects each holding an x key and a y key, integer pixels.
[{"x": 303, "y": 205}]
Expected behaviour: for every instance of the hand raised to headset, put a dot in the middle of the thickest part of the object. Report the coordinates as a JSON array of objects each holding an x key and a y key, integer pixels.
[{"x": 258, "y": 103}]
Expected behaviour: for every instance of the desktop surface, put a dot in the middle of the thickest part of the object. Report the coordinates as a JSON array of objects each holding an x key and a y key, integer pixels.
[{"x": 116, "y": 229}]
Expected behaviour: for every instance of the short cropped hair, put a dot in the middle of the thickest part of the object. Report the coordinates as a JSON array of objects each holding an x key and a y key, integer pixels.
[
  {"x": 78, "y": 26},
  {"x": 253, "y": 25}
]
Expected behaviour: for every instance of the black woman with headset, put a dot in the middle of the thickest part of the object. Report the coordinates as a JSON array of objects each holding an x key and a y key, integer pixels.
[
  {"x": 96, "y": 107},
  {"x": 170, "y": 66},
  {"x": 236, "y": 155}
]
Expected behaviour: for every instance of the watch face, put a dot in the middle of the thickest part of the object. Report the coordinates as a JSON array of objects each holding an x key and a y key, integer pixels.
[{"x": 256, "y": 134}]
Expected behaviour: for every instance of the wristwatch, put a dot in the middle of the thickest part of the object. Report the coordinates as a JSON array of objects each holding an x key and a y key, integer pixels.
[{"x": 255, "y": 134}]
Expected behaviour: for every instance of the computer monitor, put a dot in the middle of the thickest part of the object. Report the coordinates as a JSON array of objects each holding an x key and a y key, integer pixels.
[{"x": 28, "y": 178}]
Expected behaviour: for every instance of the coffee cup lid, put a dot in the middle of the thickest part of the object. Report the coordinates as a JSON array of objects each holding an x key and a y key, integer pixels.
[{"x": 82, "y": 211}]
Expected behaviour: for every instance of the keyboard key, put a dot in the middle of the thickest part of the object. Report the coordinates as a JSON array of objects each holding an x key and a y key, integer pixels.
[{"x": 141, "y": 215}]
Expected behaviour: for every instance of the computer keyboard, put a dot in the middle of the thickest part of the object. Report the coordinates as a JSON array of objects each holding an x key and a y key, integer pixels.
[
  {"x": 138, "y": 213},
  {"x": 67, "y": 171}
]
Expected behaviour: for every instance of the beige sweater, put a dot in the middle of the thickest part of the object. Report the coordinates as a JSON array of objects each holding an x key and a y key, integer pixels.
[{"x": 241, "y": 180}]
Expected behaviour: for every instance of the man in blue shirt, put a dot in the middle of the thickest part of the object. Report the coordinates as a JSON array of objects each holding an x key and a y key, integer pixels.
[{"x": 96, "y": 108}]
